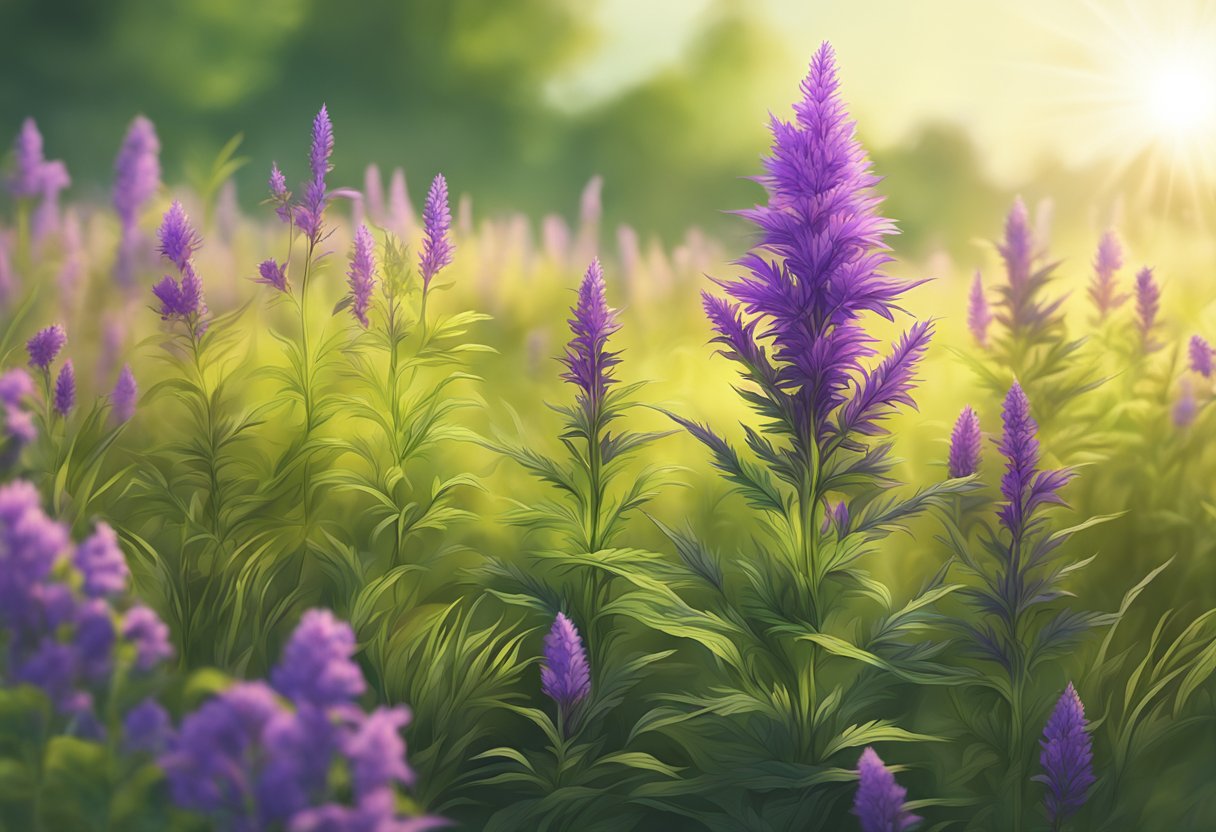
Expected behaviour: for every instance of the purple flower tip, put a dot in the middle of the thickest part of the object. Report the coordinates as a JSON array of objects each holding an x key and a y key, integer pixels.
[
  {"x": 322, "y": 145},
  {"x": 137, "y": 171},
  {"x": 1023, "y": 486},
  {"x": 178, "y": 240},
  {"x": 125, "y": 395},
  {"x": 879, "y": 801},
  {"x": 965, "y": 444},
  {"x": 65, "y": 389},
  {"x": 1067, "y": 757},
  {"x": 361, "y": 277},
  {"x": 564, "y": 675},
  {"x": 588, "y": 362},
  {"x": 1200, "y": 352},
  {"x": 979, "y": 316},
  {"x": 26, "y": 180},
  {"x": 1148, "y": 303},
  {"x": 45, "y": 345},
  {"x": 437, "y": 249},
  {"x": 272, "y": 273},
  {"x": 15, "y": 386},
  {"x": 316, "y": 666},
  {"x": 1108, "y": 260}
]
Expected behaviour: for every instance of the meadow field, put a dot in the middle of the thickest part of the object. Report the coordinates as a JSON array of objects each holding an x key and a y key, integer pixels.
[{"x": 363, "y": 508}]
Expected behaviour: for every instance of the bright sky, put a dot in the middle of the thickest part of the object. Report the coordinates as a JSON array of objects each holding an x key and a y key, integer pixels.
[{"x": 1080, "y": 80}]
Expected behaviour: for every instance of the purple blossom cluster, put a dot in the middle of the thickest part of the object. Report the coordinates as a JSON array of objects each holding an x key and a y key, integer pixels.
[
  {"x": 136, "y": 181},
  {"x": 43, "y": 347},
  {"x": 588, "y": 361},
  {"x": 180, "y": 298},
  {"x": 16, "y": 392},
  {"x": 965, "y": 442},
  {"x": 1066, "y": 757},
  {"x": 260, "y": 755},
  {"x": 1103, "y": 290},
  {"x": 35, "y": 177},
  {"x": 979, "y": 315},
  {"x": 1148, "y": 305},
  {"x": 879, "y": 800},
  {"x": 815, "y": 272},
  {"x": 361, "y": 277},
  {"x": 60, "y": 621},
  {"x": 307, "y": 214},
  {"x": 1022, "y": 309},
  {"x": 565, "y": 676},
  {"x": 1024, "y": 486},
  {"x": 437, "y": 248}
]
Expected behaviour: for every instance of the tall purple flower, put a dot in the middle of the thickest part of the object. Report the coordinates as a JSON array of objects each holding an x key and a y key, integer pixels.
[
  {"x": 44, "y": 346},
  {"x": 822, "y": 226},
  {"x": 965, "y": 444},
  {"x": 1067, "y": 758},
  {"x": 1148, "y": 304},
  {"x": 1021, "y": 308},
  {"x": 588, "y": 361},
  {"x": 279, "y": 194},
  {"x": 361, "y": 277},
  {"x": 136, "y": 171},
  {"x": 1102, "y": 290},
  {"x": 65, "y": 389},
  {"x": 125, "y": 395},
  {"x": 437, "y": 220},
  {"x": 879, "y": 800},
  {"x": 316, "y": 666},
  {"x": 1023, "y": 485},
  {"x": 178, "y": 242},
  {"x": 1200, "y": 353},
  {"x": 979, "y": 316},
  {"x": 274, "y": 274},
  {"x": 564, "y": 675},
  {"x": 26, "y": 179},
  {"x": 310, "y": 213}
]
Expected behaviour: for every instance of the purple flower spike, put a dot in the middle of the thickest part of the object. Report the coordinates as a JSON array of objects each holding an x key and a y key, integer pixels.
[
  {"x": 26, "y": 181},
  {"x": 564, "y": 675},
  {"x": 888, "y": 385},
  {"x": 965, "y": 444},
  {"x": 143, "y": 628},
  {"x": 361, "y": 277},
  {"x": 1067, "y": 758},
  {"x": 54, "y": 179},
  {"x": 1185, "y": 407},
  {"x": 879, "y": 801},
  {"x": 588, "y": 363},
  {"x": 1148, "y": 304},
  {"x": 101, "y": 563},
  {"x": 835, "y": 515},
  {"x": 437, "y": 220},
  {"x": 1017, "y": 249},
  {"x": 44, "y": 346},
  {"x": 316, "y": 667},
  {"x": 272, "y": 273},
  {"x": 125, "y": 395},
  {"x": 1023, "y": 486},
  {"x": 279, "y": 193},
  {"x": 1103, "y": 291},
  {"x": 322, "y": 145},
  {"x": 979, "y": 316},
  {"x": 136, "y": 171},
  {"x": 178, "y": 240},
  {"x": 15, "y": 386},
  {"x": 65, "y": 389},
  {"x": 1200, "y": 352},
  {"x": 377, "y": 752}
]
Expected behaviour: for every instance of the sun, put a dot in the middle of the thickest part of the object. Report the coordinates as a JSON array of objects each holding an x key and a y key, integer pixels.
[{"x": 1136, "y": 87}]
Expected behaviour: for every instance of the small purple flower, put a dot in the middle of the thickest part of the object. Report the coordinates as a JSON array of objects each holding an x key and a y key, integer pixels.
[
  {"x": 588, "y": 361},
  {"x": 979, "y": 316},
  {"x": 44, "y": 346},
  {"x": 879, "y": 801},
  {"x": 361, "y": 277},
  {"x": 15, "y": 386},
  {"x": 322, "y": 145},
  {"x": 965, "y": 444},
  {"x": 279, "y": 194},
  {"x": 1148, "y": 303},
  {"x": 178, "y": 240},
  {"x": 835, "y": 515},
  {"x": 316, "y": 666},
  {"x": 272, "y": 273},
  {"x": 437, "y": 220},
  {"x": 1103, "y": 291},
  {"x": 136, "y": 171},
  {"x": 564, "y": 675},
  {"x": 26, "y": 181},
  {"x": 1023, "y": 486},
  {"x": 94, "y": 639},
  {"x": 1067, "y": 758},
  {"x": 297, "y": 751},
  {"x": 143, "y": 628},
  {"x": 65, "y": 389},
  {"x": 1200, "y": 352},
  {"x": 19, "y": 425},
  {"x": 377, "y": 752},
  {"x": 99, "y": 559},
  {"x": 125, "y": 395},
  {"x": 30, "y": 544},
  {"x": 1017, "y": 249},
  {"x": 169, "y": 292},
  {"x": 147, "y": 728}
]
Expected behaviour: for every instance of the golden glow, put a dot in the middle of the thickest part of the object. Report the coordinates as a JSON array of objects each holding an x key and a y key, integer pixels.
[{"x": 1180, "y": 97}]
